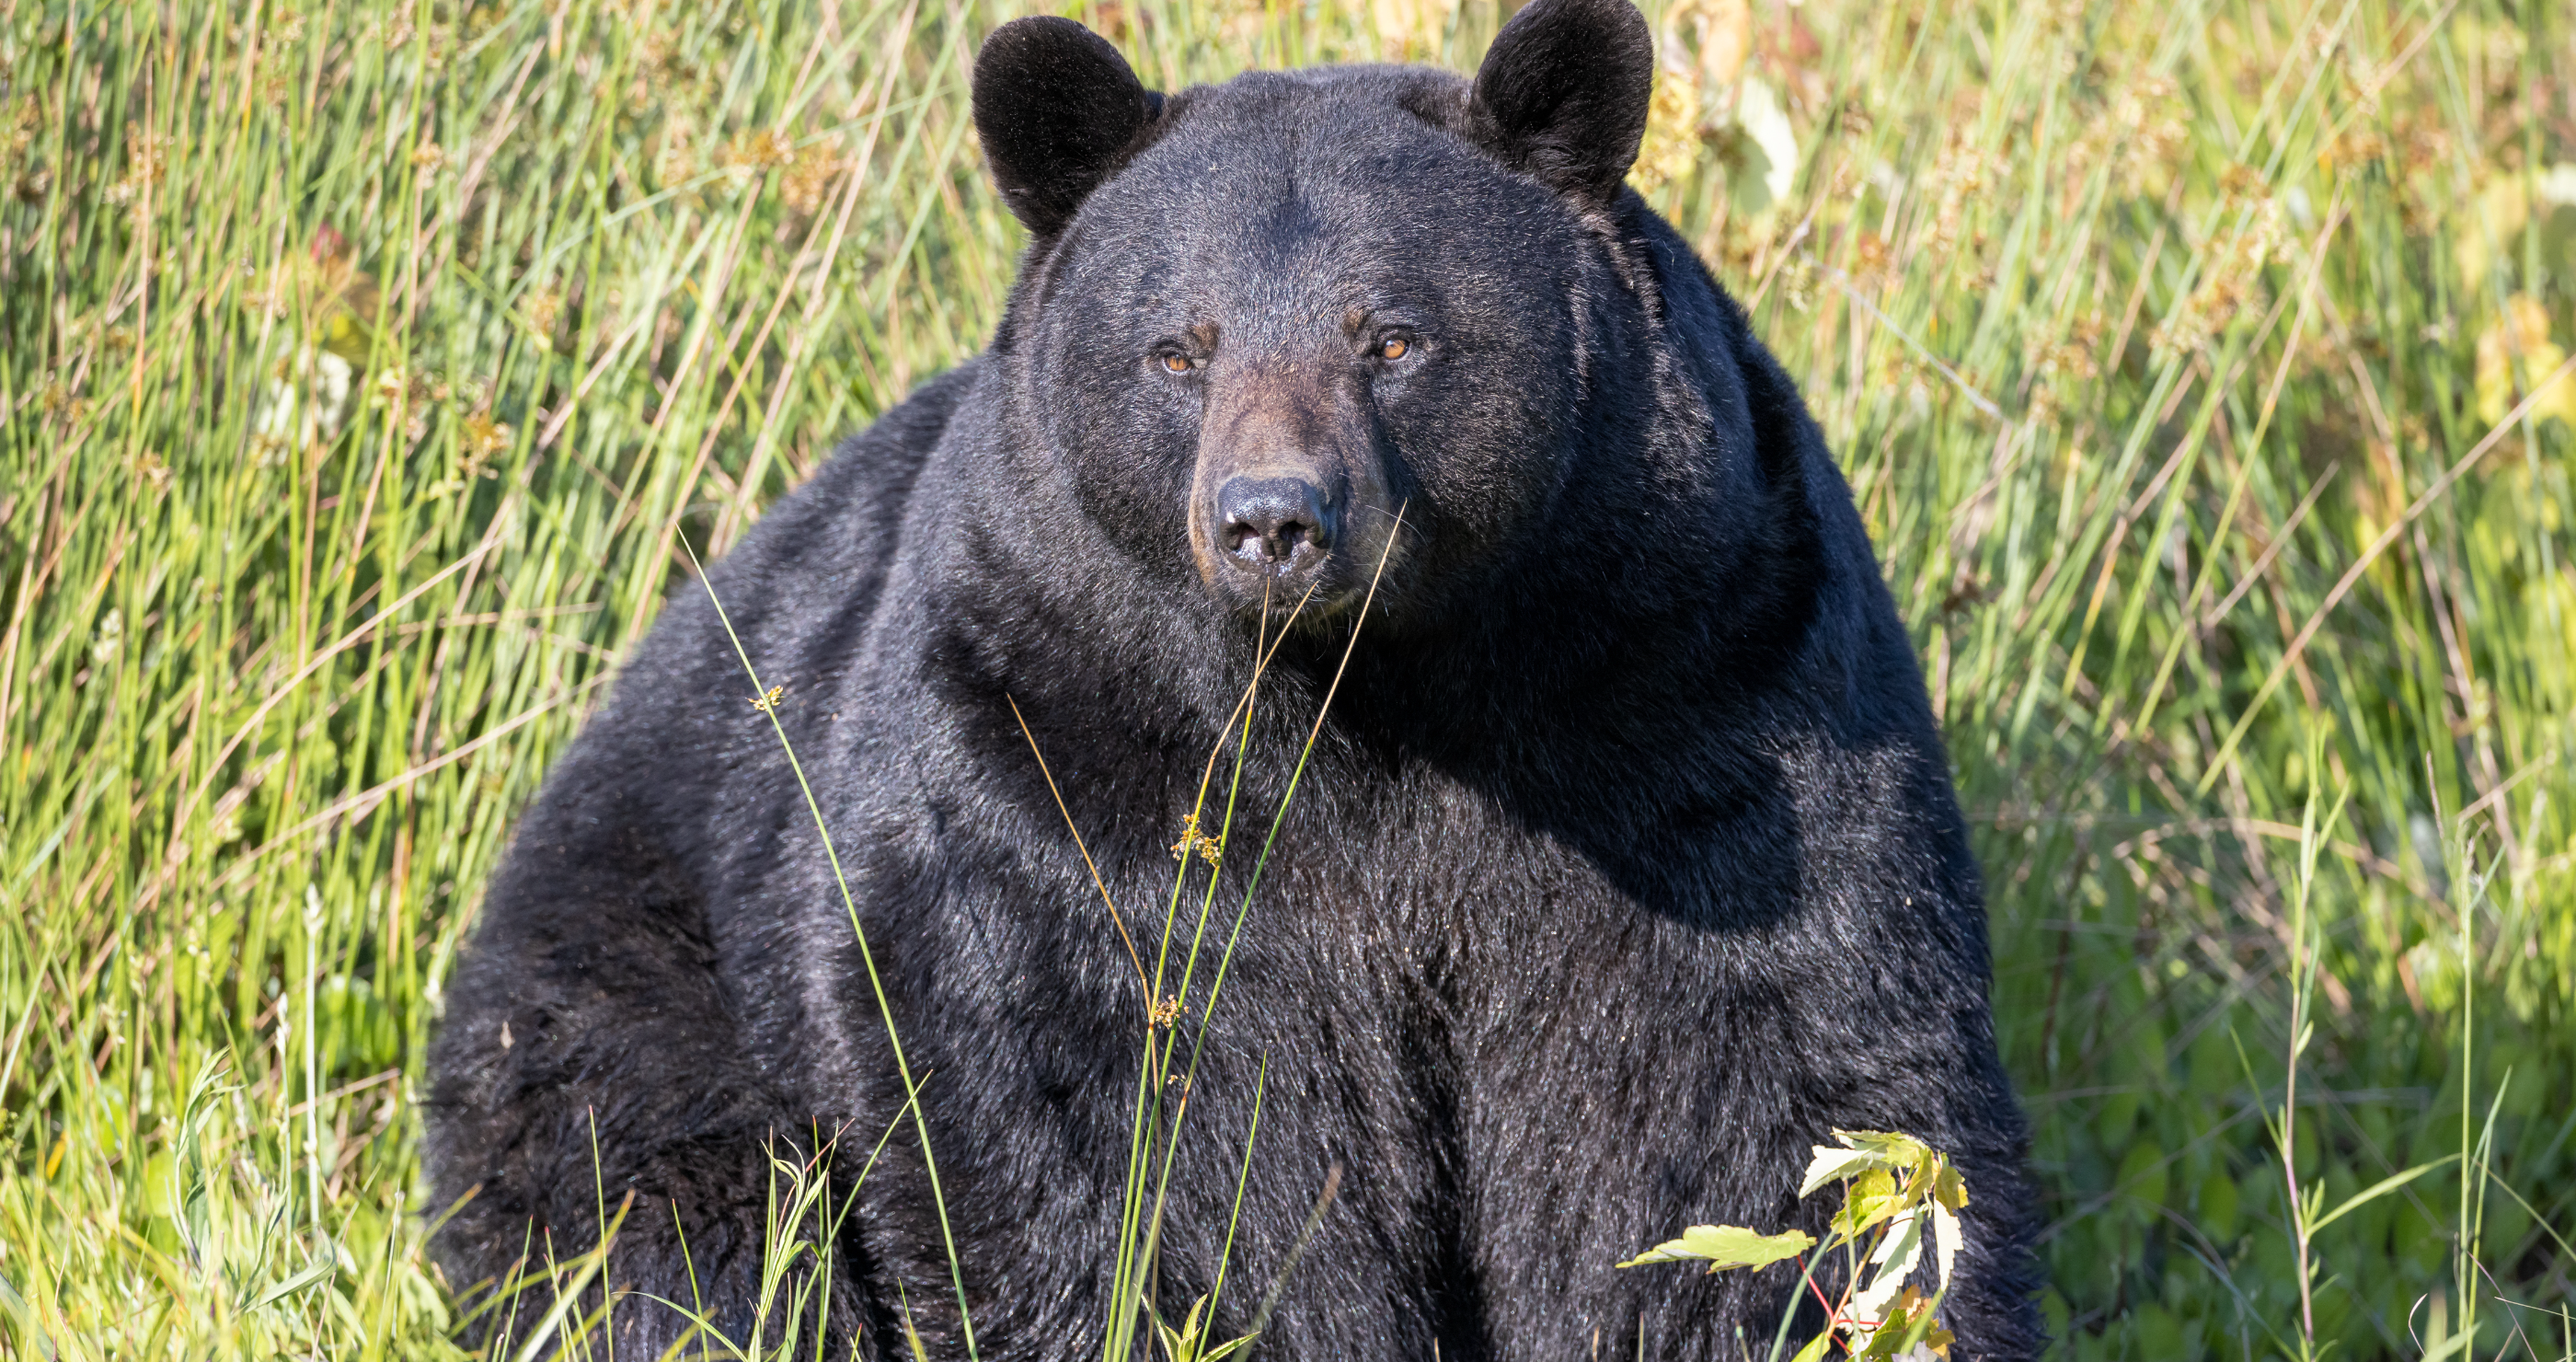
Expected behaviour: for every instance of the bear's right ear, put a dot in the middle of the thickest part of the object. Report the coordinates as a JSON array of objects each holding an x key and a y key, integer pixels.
[
  {"x": 1562, "y": 94},
  {"x": 1056, "y": 108}
]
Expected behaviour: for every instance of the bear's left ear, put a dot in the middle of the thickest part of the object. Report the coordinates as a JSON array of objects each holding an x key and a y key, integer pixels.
[
  {"x": 1562, "y": 94},
  {"x": 1056, "y": 108}
]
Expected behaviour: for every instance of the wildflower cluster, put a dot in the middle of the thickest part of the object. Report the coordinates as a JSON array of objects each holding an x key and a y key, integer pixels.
[{"x": 1192, "y": 839}]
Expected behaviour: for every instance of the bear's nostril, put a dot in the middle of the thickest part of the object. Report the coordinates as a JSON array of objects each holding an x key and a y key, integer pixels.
[{"x": 1270, "y": 522}]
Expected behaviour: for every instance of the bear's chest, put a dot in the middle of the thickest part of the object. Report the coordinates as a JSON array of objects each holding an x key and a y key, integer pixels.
[{"x": 1437, "y": 900}]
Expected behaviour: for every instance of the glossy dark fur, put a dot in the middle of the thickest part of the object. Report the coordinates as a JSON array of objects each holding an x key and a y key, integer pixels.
[{"x": 1626, "y": 866}]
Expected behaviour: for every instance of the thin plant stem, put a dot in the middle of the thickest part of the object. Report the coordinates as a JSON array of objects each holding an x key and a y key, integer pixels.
[{"x": 876, "y": 982}]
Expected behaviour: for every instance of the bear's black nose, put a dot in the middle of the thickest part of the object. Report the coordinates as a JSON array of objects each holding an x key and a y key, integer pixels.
[{"x": 1275, "y": 526}]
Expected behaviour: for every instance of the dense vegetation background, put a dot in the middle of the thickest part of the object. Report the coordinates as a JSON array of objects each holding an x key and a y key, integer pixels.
[{"x": 366, "y": 365}]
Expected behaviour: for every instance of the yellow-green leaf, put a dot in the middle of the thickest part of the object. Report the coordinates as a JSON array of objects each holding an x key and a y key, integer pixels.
[
  {"x": 1832, "y": 1165},
  {"x": 1894, "y": 1149},
  {"x": 1871, "y": 1199},
  {"x": 1725, "y": 1246}
]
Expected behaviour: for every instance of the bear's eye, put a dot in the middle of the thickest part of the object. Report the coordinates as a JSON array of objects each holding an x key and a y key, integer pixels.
[
  {"x": 1393, "y": 347},
  {"x": 1176, "y": 362}
]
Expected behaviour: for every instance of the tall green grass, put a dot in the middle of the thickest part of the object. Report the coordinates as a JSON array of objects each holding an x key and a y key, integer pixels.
[{"x": 368, "y": 369}]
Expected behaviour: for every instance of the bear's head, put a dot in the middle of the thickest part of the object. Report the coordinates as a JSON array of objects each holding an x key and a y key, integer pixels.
[{"x": 1264, "y": 324}]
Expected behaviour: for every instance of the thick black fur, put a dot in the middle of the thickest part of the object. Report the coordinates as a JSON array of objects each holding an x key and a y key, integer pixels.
[{"x": 1626, "y": 865}]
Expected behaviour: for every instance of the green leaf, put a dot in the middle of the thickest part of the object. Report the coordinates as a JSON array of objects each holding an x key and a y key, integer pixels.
[
  {"x": 1865, "y": 1150},
  {"x": 1871, "y": 1199},
  {"x": 1228, "y": 1348},
  {"x": 1909, "y": 1323},
  {"x": 1188, "y": 1343},
  {"x": 1881, "y": 1346},
  {"x": 1894, "y": 1149},
  {"x": 303, "y": 1280},
  {"x": 1815, "y": 1349},
  {"x": 1895, "y": 1257},
  {"x": 2377, "y": 1190},
  {"x": 1833, "y": 1165},
  {"x": 1725, "y": 1246}
]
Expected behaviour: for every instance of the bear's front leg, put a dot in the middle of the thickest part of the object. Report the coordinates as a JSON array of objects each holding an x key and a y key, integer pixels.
[{"x": 591, "y": 1062}]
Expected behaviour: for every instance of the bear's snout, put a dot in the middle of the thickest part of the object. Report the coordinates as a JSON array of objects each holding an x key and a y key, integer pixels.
[
  {"x": 1278, "y": 528},
  {"x": 1289, "y": 477}
]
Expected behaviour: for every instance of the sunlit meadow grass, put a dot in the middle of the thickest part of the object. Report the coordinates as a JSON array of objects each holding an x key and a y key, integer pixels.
[{"x": 366, "y": 370}]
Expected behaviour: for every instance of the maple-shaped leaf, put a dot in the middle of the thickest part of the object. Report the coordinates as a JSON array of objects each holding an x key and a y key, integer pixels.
[
  {"x": 1832, "y": 1165},
  {"x": 1862, "y": 1151},
  {"x": 1871, "y": 1198},
  {"x": 1910, "y": 1331}
]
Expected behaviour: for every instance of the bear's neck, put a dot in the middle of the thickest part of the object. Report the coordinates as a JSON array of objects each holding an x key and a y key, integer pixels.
[{"x": 1628, "y": 650}]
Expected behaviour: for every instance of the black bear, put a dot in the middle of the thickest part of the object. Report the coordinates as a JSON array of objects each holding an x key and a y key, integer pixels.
[{"x": 1624, "y": 867}]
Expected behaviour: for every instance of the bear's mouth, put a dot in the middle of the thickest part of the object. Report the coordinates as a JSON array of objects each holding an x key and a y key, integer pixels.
[
  {"x": 1317, "y": 594},
  {"x": 1313, "y": 604}
]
